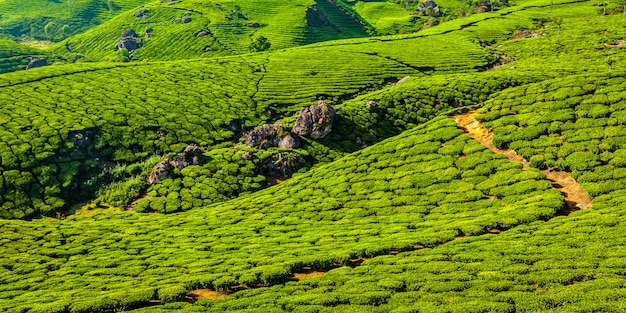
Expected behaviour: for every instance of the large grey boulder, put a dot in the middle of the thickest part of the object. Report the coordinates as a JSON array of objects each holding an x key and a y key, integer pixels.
[{"x": 315, "y": 121}]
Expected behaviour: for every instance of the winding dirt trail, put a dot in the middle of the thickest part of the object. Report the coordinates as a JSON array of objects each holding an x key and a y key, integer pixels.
[{"x": 576, "y": 198}]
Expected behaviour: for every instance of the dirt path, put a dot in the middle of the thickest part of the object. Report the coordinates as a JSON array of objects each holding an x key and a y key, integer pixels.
[{"x": 576, "y": 198}]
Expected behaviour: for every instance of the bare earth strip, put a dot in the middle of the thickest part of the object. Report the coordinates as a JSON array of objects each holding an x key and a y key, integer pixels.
[{"x": 576, "y": 198}]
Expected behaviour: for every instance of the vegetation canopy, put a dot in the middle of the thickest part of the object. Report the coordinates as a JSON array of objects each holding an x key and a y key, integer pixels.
[{"x": 312, "y": 156}]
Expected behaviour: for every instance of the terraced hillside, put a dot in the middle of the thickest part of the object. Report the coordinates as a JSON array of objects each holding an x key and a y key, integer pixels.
[
  {"x": 474, "y": 166},
  {"x": 56, "y": 20},
  {"x": 203, "y": 28},
  {"x": 60, "y": 157}
]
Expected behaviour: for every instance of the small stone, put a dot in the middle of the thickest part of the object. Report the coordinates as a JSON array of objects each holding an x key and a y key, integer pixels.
[
  {"x": 202, "y": 33},
  {"x": 371, "y": 105},
  {"x": 247, "y": 156}
]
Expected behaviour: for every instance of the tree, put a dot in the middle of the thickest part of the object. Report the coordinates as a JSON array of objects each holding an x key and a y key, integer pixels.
[
  {"x": 260, "y": 44},
  {"x": 48, "y": 30}
]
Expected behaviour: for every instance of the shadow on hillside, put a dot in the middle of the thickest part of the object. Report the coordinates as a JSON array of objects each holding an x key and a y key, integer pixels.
[{"x": 349, "y": 137}]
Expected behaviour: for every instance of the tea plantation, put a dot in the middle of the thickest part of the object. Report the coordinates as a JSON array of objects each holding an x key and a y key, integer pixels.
[{"x": 140, "y": 179}]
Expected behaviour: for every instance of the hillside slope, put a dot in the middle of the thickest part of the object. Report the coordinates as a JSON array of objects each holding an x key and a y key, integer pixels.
[
  {"x": 203, "y": 28},
  {"x": 411, "y": 204},
  {"x": 56, "y": 20},
  {"x": 142, "y": 109},
  {"x": 363, "y": 205}
]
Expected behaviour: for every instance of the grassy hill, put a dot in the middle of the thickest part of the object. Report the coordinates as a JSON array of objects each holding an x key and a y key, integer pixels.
[
  {"x": 217, "y": 28},
  {"x": 56, "y": 20},
  {"x": 441, "y": 190},
  {"x": 86, "y": 127},
  {"x": 407, "y": 206},
  {"x": 14, "y": 57}
]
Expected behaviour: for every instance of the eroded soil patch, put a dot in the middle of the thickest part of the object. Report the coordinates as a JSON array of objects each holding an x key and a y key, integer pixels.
[
  {"x": 576, "y": 198},
  {"x": 306, "y": 272},
  {"x": 468, "y": 123},
  {"x": 198, "y": 294}
]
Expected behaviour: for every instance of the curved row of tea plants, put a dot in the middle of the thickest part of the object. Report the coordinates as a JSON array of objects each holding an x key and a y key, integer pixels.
[
  {"x": 567, "y": 264},
  {"x": 424, "y": 187}
]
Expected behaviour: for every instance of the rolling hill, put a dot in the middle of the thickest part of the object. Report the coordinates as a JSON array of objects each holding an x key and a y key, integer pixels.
[{"x": 473, "y": 166}]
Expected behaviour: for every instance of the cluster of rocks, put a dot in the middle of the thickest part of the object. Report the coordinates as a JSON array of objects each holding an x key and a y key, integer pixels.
[
  {"x": 192, "y": 155},
  {"x": 315, "y": 121},
  {"x": 186, "y": 19},
  {"x": 129, "y": 40},
  {"x": 429, "y": 8},
  {"x": 36, "y": 62}
]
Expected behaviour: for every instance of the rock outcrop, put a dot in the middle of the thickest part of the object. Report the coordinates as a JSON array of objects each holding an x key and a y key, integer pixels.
[
  {"x": 429, "y": 8},
  {"x": 370, "y": 105},
  {"x": 36, "y": 62},
  {"x": 129, "y": 40},
  {"x": 271, "y": 135},
  {"x": 160, "y": 172},
  {"x": 186, "y": 19},
  {"x": 315, "y": 121},
  {"x": 192, "y": 155},
  {"x": 143, "y": 13},
  {"x": 282, "y": 164},
  {"x": 527, "y": 34}
]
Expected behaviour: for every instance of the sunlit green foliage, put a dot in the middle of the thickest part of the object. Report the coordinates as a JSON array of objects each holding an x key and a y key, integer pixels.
[
  {"x": 56, "y": 20},
  {"x": 365, "y": 204}
]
